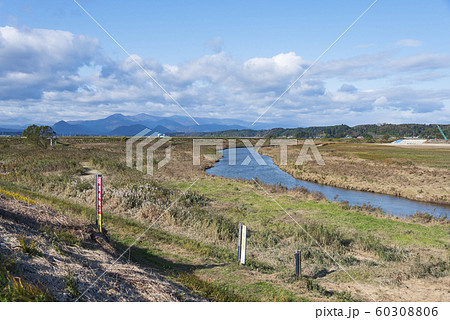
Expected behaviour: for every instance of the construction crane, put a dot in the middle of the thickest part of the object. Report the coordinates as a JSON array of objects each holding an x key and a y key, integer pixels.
[{"x": 442, "y": 132}]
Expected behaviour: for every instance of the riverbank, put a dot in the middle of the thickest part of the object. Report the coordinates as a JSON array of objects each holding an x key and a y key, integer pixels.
[
  {"x": 271, "y": 174},
  {"x": 194, "y": 218},
  {"x": 419, "y": 174}
]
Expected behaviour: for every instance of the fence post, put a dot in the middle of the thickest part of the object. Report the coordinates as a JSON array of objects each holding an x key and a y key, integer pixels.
[
  {"x": 239, "y": 243},
  {"x": 243, "y": 243},
  {"x": 99, "y": 196},
  {"x": 298, "y": 264}
]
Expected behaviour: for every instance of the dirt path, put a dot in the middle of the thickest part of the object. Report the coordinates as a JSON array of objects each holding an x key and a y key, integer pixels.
[
  {"x": 67, "y": 248},
  {"x": 89, "y": 171}
]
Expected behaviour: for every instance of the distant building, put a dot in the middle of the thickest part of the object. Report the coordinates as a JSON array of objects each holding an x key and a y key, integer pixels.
[
  {"x": 52, "y": 139},
  {"x": 404, "y": 141},
  {"x": 158, "y": 135}
]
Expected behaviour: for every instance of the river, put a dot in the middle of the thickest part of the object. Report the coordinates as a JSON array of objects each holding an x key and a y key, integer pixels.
[{"x": 272, "y": 174}]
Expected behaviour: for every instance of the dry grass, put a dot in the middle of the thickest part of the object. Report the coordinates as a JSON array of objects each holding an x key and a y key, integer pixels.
[
  {"x": 417, "y": 174},
  {"x": 198, "y": 234},
  {"x": 64, "y": 268}
]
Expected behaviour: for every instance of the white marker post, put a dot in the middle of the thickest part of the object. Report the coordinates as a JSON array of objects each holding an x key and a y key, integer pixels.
[
  {"x": 243, "y": 244},
  {"x": 239, "y": 243},
  {"x": 99, "y": 187}
]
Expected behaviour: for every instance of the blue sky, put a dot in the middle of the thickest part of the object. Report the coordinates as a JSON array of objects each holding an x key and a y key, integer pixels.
[{"x": 227, "y": 59}]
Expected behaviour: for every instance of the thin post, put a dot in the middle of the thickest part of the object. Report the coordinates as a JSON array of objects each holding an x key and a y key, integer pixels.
[
  {"x": 239, "y": 242},
  {"x": 298, "y": 264},
  {"x": 99, "y": 201},
  {"x": 243, "y": 244}
]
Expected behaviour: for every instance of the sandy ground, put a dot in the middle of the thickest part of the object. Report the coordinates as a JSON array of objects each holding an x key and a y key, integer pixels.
[{"x": 123, "y": 281}]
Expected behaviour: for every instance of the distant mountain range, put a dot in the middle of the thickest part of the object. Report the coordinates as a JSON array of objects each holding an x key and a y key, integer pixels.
[
  {"x": 120, "y": 125},
  {"x": 10, "y": 132}
]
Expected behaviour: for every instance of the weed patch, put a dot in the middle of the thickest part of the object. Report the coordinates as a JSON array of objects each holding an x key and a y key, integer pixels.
[
  {"x": 28, "y": 247},
  {"x": 211, "y": 291},
  {"x": 61, "y": 235},
  {"x": 433, "y": 268},
  {"x": 71, "y": 286}
]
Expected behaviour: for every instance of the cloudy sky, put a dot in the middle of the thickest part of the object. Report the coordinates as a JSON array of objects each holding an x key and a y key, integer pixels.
[{"x": 228, "y": 59}]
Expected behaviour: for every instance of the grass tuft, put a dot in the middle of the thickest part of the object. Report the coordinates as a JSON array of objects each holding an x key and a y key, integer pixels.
[
  {"x": 17, "y": 289},
  {"x": 209, "y": 290},
  {"x": 28, "y": 247},
  {"x": 71, "y": 286}
]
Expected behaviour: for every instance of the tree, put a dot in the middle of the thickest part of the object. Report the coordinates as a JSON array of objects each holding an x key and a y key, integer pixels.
[
  {"x": 386, "y": 138},
  {"x": 39, "y": 135}
]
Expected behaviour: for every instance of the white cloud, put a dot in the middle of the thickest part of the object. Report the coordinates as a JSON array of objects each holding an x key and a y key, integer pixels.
[
  {"x": 42, "y": 68},
  {"x": 419, "y": 62},
  {"x": 361, "y": 67},
  {"x": 381, "y": 102},
  {"x": 35, "y": 60},
  {"x": 409, "y": 43}
]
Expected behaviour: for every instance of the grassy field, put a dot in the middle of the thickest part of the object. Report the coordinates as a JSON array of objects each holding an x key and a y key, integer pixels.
[
  {"x": 194, "y": 237},
  {"x": 412, "y": 172}
]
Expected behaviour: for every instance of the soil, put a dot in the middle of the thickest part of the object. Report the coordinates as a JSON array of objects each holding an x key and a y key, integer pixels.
[{"x": 85, "y": 262}]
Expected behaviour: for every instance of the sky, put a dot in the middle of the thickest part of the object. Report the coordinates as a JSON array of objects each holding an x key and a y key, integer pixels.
[{"x": 227, "y": 59}]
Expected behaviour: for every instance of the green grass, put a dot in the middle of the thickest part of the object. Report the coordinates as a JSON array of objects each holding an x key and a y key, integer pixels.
[
  {"x": 211, "y": 291},
  {"x": 17, "y": 289},
  {"x": 28, "y": 246},
  {"x": 71, "y": 286},
  {"x": 123, "y": 231},
  {"x": 196, "y": 239},
  {"x": 61, "y": 235},
  {"x": 261, "y": 214},
  {"x": 348, "y": 221},
  {"x": 264, "y": 291}
]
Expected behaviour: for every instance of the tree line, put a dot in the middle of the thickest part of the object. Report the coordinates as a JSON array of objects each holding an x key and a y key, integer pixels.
[{"x": 386, "y": 131}]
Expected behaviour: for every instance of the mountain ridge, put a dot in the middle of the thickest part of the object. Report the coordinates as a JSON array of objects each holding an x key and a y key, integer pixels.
[{"x": 108, "y": 125}]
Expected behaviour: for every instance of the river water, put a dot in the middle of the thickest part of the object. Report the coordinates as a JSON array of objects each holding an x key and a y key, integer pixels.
[{"x": 271, "y": 174}]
